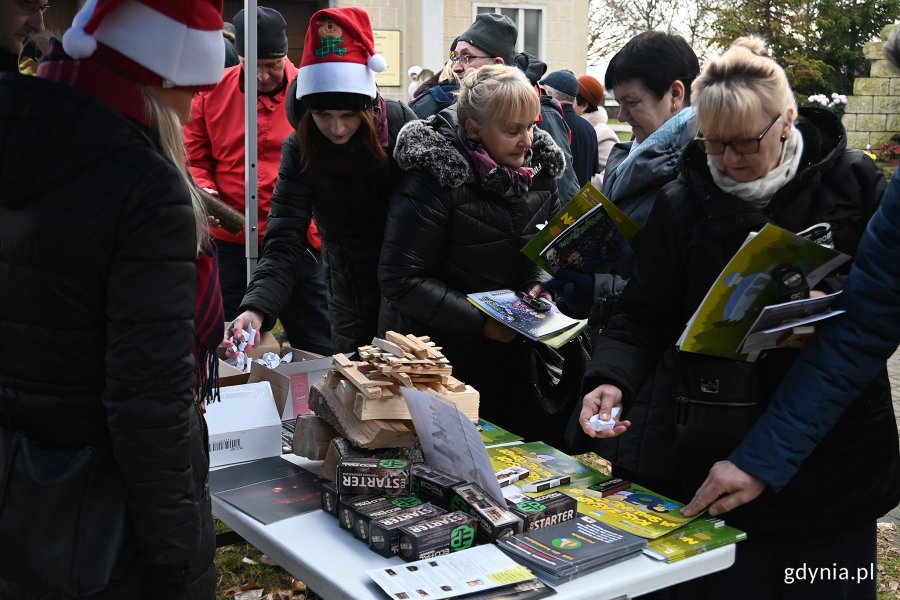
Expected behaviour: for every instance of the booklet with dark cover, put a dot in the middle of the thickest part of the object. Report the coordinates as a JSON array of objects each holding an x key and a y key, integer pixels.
[
  {"x": 268, "y": 490},
  {"x": 572, "y": 548}
]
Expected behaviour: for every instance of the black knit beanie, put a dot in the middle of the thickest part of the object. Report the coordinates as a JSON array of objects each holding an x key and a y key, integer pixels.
[
  {"x": 493, "y": 33},
  {"x": 271, "y": 37}
]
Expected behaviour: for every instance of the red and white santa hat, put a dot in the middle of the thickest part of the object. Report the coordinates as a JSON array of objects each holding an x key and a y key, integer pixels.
[
  {"x": 179, "y": 41},
  {"x": 339, "y": 54}
]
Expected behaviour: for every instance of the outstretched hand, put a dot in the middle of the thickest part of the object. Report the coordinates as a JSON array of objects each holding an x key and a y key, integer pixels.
[
  {"x": 601, "y": 400},
  {"x": 726, "y": 488}
]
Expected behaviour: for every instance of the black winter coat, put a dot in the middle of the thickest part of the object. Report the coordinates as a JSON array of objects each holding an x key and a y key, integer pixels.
[
  {"x": 446, "y": 237},
  {"x": 693, "y": 231},
  {"x": 350, "y": 205},
  {"x": 98, "y": 280}
]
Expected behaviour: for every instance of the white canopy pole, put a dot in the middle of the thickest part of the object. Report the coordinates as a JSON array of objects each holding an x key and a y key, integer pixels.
[{"x": 251, "y": 164}]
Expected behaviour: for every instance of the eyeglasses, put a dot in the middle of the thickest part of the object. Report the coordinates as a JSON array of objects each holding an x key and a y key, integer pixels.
[
  {"x": 35, "y": 6},
  {"x": 717, "y": 147},
  {"x": 465, "y": 59}
]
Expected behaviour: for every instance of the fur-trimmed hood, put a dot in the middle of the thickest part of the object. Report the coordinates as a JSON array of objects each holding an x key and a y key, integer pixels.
[{"x": 431, "y": 146}]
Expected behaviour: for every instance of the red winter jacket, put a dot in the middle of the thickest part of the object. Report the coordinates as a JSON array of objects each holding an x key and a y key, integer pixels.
[{"x": 214, "y": 139}]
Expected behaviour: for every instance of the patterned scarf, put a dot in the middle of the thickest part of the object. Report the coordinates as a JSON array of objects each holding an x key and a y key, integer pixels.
[
  {"x": 208, "y": 326},
  {"x": 506, "y": 181}
]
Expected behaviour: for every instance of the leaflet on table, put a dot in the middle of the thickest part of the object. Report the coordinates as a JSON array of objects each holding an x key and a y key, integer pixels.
[
  {"x": 492, "y": 434},
  {"x": 778, "y": 324},
  {"x": 746, "y": 284},
  {"x": 636, "y": 510},
  {"x": 700, "y": 536},
  {"x": 540, "y": 460},
  {"x": 590, "y": 234},
  {"x": 508, "y": 308},
  {"x": 465, "y": 572},
  {"x": 450, "y": 441}
]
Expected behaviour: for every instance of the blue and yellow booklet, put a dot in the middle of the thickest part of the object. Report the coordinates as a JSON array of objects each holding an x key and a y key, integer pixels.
[{"x": 748, "y": 283}]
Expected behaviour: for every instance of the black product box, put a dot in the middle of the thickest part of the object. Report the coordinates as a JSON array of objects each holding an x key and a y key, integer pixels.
[
  {"x": 607, "y": 487},
  {"x": 544, "y": 511},
  {"x": 433, "y": 485},
  {"x": 330, "y": 498},
  {"x": 384, "y": 532},
  {"x": 494, "y": 521},
  {"x": 373, "y": 476},
  {"x": 348, "y": 505},
  {"x": 441, "y": 535},
  {"x": 364, "y": 514}
]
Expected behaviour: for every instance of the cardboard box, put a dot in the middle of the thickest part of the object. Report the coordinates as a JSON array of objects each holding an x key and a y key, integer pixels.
[
  {"x": 244, "y": 425},
  {"x": 291, "y": 381},
  {"x": 231, "y": 375}
]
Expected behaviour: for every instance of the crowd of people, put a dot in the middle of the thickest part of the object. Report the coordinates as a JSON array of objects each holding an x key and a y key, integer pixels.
[{"x": 378, "y": 215}]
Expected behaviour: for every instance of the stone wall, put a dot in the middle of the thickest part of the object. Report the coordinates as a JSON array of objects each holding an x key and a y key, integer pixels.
[{"x": 873, "y": 111}]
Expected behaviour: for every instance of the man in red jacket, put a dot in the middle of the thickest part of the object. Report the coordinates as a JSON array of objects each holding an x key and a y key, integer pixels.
[{"x": 215, "y": 146}]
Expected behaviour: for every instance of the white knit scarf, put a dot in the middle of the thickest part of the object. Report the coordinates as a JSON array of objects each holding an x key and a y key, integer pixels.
[{"x": 759, "y": 191}]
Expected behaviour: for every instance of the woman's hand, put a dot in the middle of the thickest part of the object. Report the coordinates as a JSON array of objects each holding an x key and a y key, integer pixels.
[
  {"x": 726, "y": 487},
  {"x": 601, "y": 401},
  {"x": 239, "y": 326},
  {"x": 537, "y": 290},
  {"x": 494, "y": 330}
]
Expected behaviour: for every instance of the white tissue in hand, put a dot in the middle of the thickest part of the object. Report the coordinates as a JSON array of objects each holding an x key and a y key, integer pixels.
[{"x": 597, "y": 424}]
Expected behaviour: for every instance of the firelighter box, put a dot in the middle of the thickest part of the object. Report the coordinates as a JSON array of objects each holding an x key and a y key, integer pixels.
[
  {"x": 433, "y": 485},
  {"x": 384, "y": 532},
  {"x": 347, "y": 506},
  {"x": 494, "y": 521},
  {"x": 544, "y": 511},
  {"x": 373, "y": 476},
  {"x": 364, "y": 514},
  {"x": 330, "y": 498},
  {"x": 441, "y": 535}
]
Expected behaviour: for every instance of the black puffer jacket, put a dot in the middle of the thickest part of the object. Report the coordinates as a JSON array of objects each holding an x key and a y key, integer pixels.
[
  {"x": 693, "y": 231},
  {"x": 446, "y": 237},
  {"x": 98, "y": 280},
  {"x": 349, "y": 205}
]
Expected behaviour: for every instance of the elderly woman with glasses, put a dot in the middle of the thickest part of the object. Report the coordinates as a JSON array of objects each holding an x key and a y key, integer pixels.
[{"x": 757, "y": 160}]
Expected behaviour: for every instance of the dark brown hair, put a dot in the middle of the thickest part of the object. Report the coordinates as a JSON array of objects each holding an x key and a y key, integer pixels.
[{"x": 364, "y": 141}]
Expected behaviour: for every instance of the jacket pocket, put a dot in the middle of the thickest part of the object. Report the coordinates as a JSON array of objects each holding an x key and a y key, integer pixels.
[{"x": 63, "y": 519}]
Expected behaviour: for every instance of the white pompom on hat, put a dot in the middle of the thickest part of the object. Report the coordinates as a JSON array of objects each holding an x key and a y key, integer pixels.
[
  {"x": 180, "y": 42},
  {"x": 339, "y": 54}
]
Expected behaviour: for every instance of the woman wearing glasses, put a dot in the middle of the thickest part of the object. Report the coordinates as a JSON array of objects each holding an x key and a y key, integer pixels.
[{"x": 757, "y": 160}]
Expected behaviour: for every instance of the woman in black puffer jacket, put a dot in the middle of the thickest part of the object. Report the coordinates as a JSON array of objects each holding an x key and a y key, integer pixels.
[
  {"x": 473, "y": 195},
  {"x": 336, "y": 167}
]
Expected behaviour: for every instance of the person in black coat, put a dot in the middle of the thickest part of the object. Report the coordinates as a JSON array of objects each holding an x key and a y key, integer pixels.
[
  {"x": 98, "y": 271},
  {"x": 336, "y": 167},
  {"x": 756, "y": 161},
  {"x": 473, "y": 194},
  {"x": 562, "y": 86}
]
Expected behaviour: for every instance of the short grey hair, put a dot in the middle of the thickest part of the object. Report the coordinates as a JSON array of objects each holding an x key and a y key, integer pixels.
[{"x": 558, "y": 95}]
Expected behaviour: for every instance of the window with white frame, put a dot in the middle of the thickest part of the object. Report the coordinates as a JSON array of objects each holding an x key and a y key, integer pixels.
[{"x": 529, "y": 20}]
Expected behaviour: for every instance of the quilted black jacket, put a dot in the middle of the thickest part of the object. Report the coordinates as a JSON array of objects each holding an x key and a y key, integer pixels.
[{"x": 97, "y": 291}]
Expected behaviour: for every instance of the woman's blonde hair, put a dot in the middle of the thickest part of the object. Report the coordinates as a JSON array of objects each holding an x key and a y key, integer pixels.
[
  {"x": 448, "y": 74},
  {"x": 171, "y": 139},
  {"x": 739, "y": 86},
  {"x": 496, "y": 92}
]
